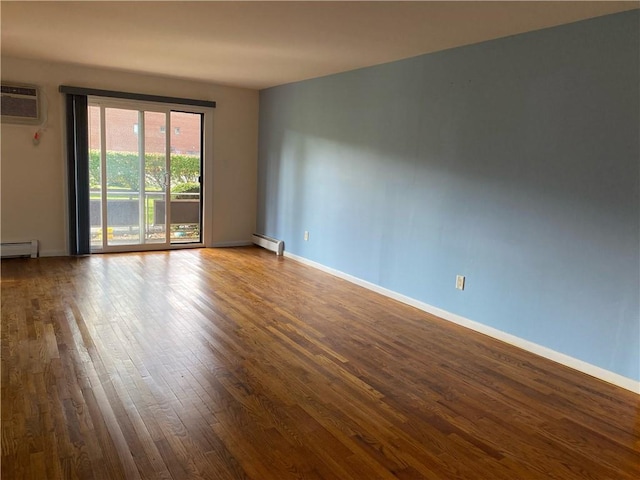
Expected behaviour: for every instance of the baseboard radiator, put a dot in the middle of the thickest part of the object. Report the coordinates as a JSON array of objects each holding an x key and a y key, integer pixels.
[
  {"x": 19, "y": 249},
  {"x": 268, "y": 243}
]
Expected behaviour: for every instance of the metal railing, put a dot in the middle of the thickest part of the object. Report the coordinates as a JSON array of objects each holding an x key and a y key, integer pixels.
[{"x": 124, "y": 217}]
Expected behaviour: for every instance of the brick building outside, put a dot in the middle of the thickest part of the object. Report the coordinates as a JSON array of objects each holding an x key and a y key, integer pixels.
[{"x": 123, "y": 130}]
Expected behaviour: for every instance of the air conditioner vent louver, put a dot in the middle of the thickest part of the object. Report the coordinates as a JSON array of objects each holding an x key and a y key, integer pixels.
[{"x": 20, "y": 104}]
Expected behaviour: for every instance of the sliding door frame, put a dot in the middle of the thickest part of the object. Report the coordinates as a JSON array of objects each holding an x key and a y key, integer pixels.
[{"x": 78, "y": 148}]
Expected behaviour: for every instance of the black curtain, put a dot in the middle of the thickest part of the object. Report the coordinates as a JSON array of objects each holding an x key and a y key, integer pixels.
[{"x": 78, "y": 173}]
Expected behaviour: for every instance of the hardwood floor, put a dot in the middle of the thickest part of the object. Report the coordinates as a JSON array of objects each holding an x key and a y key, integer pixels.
[{"x": 234, "y": 364}]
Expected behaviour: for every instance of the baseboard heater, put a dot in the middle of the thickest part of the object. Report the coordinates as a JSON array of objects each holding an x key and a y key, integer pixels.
[
  {"x": 268, "y": 243},
  {"x": 19, "y": 249}
]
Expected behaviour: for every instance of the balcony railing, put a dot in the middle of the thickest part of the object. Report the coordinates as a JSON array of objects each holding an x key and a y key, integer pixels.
[{"x": 124, "y": 222}]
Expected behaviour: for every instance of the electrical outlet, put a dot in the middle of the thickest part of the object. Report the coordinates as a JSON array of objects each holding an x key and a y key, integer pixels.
[
  {"x": 306, "y": 236},
  {"x": 460, "y": 282}
]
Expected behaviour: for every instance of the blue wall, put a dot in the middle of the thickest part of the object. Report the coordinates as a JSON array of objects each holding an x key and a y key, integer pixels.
[{"x": 514, "y": 162}]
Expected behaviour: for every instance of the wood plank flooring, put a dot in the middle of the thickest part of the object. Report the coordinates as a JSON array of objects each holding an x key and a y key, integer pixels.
[{"x": 237, "y": 364}]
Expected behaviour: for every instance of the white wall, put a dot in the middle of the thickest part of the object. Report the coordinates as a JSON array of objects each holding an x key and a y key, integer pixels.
[{"x": 34, "y": 189}]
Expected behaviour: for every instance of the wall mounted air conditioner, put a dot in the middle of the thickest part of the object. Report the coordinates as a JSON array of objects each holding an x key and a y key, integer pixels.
[{"x": 20, "y": 104}]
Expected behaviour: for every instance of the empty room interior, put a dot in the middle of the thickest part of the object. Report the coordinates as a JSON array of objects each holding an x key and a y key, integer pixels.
[{"x": 320, "y": 240}]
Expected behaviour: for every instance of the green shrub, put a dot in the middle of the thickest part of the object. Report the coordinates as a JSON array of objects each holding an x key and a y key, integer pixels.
[
  {"x": 123, "y": 169},
  {"x": 187, "y": 187}
]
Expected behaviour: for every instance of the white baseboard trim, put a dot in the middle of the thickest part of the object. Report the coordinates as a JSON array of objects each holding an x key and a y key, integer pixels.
[
  {"x": 54, "y": 253},
  {"x": 561, "y": 358},
  {"x": 236, "y": 243}
]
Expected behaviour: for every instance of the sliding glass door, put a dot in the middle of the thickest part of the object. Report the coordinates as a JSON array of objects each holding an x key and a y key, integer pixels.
[{"x": 145, "y": 175}]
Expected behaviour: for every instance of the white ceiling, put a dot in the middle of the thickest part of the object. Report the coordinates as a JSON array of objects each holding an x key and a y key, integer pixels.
[{"x": 262, "y": 44}]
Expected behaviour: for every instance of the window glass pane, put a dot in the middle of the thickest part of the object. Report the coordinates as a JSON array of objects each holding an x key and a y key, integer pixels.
[
  {"x": 186, "y": 138},
  {"x": 155, "y": 176},
  {"x": 123, "y": 177},
  {"x": 95, "y": 177}
]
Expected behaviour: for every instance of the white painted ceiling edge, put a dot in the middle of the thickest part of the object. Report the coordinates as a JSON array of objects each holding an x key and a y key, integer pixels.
[{"x": 262, "y": 44}]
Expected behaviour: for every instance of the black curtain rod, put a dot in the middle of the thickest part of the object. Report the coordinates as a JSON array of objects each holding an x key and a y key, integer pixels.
[{"x": 134, "y": 96}]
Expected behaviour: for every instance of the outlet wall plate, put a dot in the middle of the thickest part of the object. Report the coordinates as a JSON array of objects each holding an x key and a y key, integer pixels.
[{"x": 460, "y": 282}]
